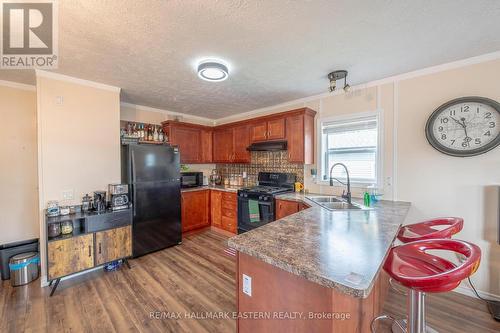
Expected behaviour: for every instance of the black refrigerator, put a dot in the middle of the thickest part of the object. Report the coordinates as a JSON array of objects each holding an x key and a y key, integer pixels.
[{"x": 153, "y": 174}]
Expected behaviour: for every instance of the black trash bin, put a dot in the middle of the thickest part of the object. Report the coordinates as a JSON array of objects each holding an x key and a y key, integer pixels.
[{"x": 9, "y": 250}]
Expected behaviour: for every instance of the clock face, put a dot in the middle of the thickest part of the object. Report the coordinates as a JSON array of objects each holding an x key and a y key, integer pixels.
[{"x": 465, "y": 126}]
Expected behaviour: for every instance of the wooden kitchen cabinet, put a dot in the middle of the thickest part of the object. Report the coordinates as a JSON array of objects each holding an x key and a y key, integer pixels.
[
  {"x": 267, "y": 130},
  {"x": 70, "y": 255},
  {"x": 231, "y": 143},
  {"x": 224, "y": 210},
  {"x": 194, "y": 141},
  {"x": 113, "y": 244},
  {"x": 288, "y": 207},
  {"x": 206, "y": 146},
  {"x": 195, "y": 210},
  {"x": 285, "y": 208},
  {"x": 216, "y": 208},
  {"x": 300, "y": 137},
  {"x": 223, "y": 145},
  {"x": 241, "y": 141}
]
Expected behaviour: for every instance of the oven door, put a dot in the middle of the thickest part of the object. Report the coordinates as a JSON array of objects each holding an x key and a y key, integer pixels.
[{"x": 266, "y": 211}]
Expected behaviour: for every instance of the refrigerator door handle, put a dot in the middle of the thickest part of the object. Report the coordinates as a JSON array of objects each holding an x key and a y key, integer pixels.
[
  {"x": 134, "y": 206},
  {"x": 132, "y": 166}
]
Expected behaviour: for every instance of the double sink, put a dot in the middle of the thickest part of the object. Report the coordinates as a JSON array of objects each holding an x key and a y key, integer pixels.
[{"x": 336, "y": 203}]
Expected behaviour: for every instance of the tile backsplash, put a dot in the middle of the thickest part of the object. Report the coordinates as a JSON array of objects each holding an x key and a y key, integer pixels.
[{"x": 263, "y": 161}]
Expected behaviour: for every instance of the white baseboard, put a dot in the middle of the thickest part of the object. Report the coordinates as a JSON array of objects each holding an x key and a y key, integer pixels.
[{"x": 467, "y": 290}]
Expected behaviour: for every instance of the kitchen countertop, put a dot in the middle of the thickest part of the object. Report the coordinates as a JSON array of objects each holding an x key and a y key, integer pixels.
[
  {"x": 337, "y": 249},
  {"x": 213, "y": 187}
]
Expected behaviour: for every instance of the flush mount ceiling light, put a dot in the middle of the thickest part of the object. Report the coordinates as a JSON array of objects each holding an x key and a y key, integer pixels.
[
  {"x": 338, "y": 75},
  {"x": 212, "y": 70}
]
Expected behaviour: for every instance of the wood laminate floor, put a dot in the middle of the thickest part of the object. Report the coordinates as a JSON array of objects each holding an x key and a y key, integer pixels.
[{"x": 191, "y": 279}]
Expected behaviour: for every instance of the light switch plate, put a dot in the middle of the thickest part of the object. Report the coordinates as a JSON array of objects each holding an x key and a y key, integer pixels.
[
  {"x": 247, "y": 285},
  {"x": 68, "y": 195}
]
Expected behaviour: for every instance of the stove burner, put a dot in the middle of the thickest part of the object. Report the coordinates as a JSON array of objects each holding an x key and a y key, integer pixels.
[{"x": 266, "y": 189}]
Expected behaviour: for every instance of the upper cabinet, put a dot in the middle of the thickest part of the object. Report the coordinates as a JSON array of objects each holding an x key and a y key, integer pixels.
[
  {"x": 300, "y": 137},
  {"x": 228, "y": 143},
  {"x": 194, "y": 141},
  {"x": 267, "y": 129},
  {"x": 231, "y": 143}
]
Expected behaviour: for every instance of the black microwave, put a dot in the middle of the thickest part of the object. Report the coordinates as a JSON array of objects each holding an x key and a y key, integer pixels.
[{"x": 191, "y": 179}]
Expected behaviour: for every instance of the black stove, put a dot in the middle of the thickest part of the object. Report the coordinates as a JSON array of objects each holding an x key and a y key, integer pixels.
[{"x": 256, "y": 205}]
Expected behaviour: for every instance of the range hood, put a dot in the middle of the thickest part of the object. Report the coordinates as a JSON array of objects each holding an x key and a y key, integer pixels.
[{"x": 268, "y": 146}]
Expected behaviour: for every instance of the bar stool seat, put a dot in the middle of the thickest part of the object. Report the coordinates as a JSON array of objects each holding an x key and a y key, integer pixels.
[
  {"x": 413, "y": 267},
  {"x": 424, "y": 230}
]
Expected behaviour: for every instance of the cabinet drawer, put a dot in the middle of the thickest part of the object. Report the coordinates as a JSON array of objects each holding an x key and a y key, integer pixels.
[
  {"x": 229, "y": 213},
  {"x": 108, "y": 220},
  {"x": 229, "y": 224},
  {"x": 228, "y": 196},
  {"x": 225, "y": 204}
]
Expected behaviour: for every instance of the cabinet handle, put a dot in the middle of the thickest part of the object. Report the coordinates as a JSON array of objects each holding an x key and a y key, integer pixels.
[
  {"x": 99, "y": 248},
  {"x": 90, "y": 251}
]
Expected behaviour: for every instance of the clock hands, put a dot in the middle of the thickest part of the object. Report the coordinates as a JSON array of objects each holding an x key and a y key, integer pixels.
[{"x": 467, "y": 139}]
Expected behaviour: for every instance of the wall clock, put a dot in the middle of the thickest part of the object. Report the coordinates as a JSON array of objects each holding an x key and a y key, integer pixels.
[{"x": 465, "y": 126}]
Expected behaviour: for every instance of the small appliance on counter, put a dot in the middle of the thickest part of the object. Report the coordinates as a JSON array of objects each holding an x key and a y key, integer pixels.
[
  {"x": 86, "y": 203},
  {"x": 191, "y": 179},
  {"x": 215, "y": 178},
  {"x": 118, "y": 196},
  {"x": 99, "y": 203}
]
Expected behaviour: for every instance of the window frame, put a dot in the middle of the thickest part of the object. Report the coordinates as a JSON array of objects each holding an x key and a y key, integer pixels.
[{"x": 379, "y": 167}]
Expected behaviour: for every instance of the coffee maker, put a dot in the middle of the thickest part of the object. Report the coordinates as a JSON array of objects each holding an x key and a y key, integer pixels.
[
  {"x": 99, "y": 203},
  {"x": 118, "y": 196}
]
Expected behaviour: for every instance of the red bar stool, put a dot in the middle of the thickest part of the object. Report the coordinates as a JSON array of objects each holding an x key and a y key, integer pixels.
[
  {"x": 424, "y": 230},
  {"x": 421, "y": 272}
]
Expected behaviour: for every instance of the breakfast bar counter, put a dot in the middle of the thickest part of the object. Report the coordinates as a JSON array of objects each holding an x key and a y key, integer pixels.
[{"x": 327, "y": 260}]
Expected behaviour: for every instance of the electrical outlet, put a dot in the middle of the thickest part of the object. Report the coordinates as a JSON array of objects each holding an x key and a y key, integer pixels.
[
  {"x": 247, "y": 285},
  {"x": 68, "y": 195},
  {"x": 59, "y": 100},
  {"x": 244, "y": 174}
]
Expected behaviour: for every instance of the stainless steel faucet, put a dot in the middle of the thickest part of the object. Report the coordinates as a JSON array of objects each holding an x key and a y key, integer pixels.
[{"x": 347, "y": 195}]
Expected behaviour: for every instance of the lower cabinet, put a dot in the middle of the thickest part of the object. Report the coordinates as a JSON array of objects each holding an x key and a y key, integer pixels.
[
  {"x": 195, "y": 210},
  {"x": 224, "y": 210},
  {"x": 285, "y": 208},
  {"x": 113, "y": 244},
  {"x": 70, "y": 255}
]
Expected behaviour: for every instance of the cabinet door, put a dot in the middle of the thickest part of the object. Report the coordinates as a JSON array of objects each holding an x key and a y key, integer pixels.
[
  {"x": 258, "y": 131},
  {"x": 285, "y": 208},
  {"x": 303, "y": 206},
  {"x": 295, "y": 137},
  {"x": 215, "y": 208},
  {"x": 241, "y": 141},
  {"x": 113, "y": 244},
  {"x": 70, "y": 255},
  {"x": 276, "y": 129},
  {"x": 189, "y": 142},
  {"x": 206, "y": 146},
  {"x": 223, "y": 145},
  {"x": 195, "y": 210}
]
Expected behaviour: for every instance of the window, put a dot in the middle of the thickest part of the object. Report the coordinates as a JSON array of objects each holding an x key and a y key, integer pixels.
[{"x": 352, "y": 141}]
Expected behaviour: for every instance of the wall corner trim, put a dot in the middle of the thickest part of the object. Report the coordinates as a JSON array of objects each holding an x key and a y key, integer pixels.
[{"x": 67, "y": 78}]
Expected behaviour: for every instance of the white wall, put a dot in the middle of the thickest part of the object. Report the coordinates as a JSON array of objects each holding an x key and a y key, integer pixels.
[
  {"x": 78, "y": 140},
  {"x": 18, "y": 164}
]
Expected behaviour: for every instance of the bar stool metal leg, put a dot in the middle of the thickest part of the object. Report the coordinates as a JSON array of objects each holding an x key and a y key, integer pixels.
[{"x": 415, "y": 308}]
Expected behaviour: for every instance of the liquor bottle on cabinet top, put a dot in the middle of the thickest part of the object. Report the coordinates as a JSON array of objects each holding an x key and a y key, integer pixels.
[
  {"x": 155, "y": 134},
  {"x": 150, "y": 133},
  {"x": 160, "y": 135}
]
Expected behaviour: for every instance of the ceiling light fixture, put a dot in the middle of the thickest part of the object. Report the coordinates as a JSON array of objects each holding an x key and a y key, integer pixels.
[
  {"x": 212, "y": 70},
  {"x": 338, "y": 75}
]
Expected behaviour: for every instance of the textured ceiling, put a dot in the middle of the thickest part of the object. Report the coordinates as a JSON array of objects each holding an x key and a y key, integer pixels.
[{"x": 278, "y": 50}]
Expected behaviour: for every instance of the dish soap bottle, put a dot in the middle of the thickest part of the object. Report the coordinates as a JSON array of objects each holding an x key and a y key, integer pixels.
[{"x": 366, "y": 199}]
